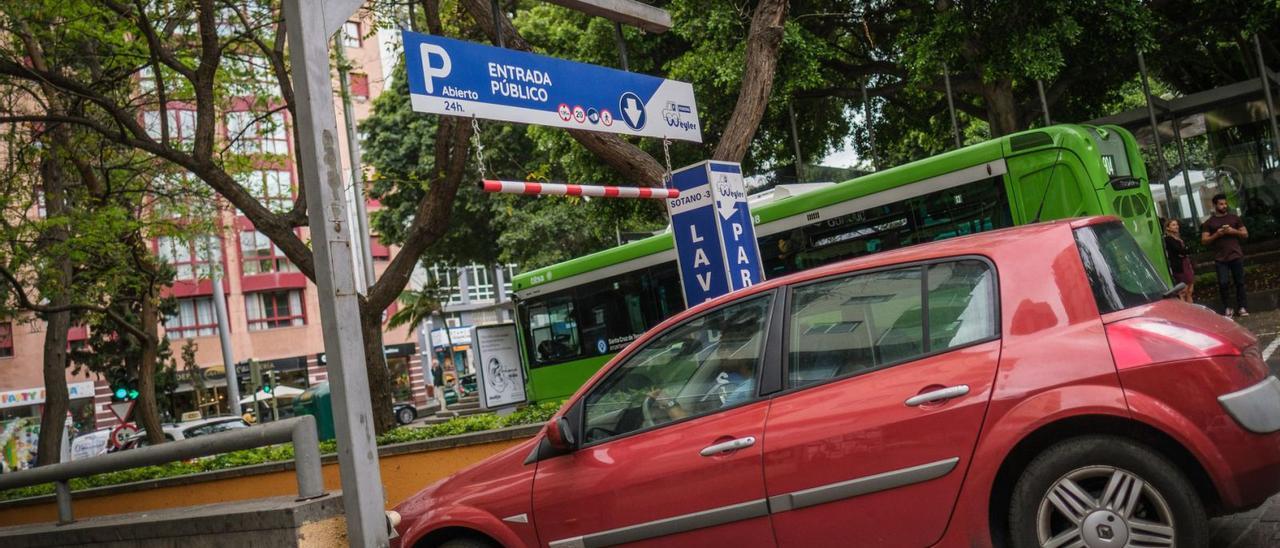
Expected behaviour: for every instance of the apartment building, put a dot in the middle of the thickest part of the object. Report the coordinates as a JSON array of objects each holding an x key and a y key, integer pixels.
[{"x": 273, "y": 309}]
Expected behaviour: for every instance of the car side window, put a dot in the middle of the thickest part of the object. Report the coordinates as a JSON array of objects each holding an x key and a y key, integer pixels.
[
  {"x": 706, "y": 364},
  {"x": 853, "y": 324},
  {"x": 859, "y": 323},
  {"x": 962, "y": 304}
]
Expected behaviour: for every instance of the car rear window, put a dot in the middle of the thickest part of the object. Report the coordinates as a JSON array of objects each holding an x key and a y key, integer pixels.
[{"x": 1118, "y": 270}]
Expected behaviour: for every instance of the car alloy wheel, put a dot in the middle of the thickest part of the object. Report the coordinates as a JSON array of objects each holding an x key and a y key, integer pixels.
[
  {"x": 405, "y": 416},
  {"x": 1097, "y": 506}
]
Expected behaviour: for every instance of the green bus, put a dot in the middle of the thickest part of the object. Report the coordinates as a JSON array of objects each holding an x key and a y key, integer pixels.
[{"x": 575, "y": 315}]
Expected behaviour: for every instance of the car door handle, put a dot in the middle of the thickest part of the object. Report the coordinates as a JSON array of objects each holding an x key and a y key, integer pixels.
[
  {"x": 731, "y": 445},
  {"x": 938, "y": 395}
]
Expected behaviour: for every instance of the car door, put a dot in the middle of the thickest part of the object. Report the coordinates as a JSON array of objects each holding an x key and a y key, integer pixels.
[
  {"x": 888, "y": 375},
  {"x": 671, "y": 443}
]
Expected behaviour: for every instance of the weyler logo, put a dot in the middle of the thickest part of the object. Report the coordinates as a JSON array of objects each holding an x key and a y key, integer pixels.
[{"x": 428, "y": 71}]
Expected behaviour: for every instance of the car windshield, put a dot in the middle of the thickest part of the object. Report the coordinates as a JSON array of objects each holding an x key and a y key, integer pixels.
[
  {"x": 214, "y": 427},
  {"x": 1118, "y": 270}
]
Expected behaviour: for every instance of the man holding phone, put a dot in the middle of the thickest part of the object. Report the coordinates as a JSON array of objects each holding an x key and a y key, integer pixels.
[{"x": 1222, "y": 232}]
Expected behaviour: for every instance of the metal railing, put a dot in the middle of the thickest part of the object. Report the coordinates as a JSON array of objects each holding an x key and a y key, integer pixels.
[{"x": 300, "y": 430}]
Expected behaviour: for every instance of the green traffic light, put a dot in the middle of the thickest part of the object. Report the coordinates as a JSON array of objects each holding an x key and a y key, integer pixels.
[
  {"x": 133, "y": 394},
  {"x": 121, "y": 393},
  {"x": 266, "y": 390}
]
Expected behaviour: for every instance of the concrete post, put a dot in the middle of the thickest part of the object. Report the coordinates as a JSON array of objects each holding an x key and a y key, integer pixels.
[
  {"x": 224, "y": 338},
  {"x": 364, "y": 243},
  {"x": 310, "y": 26}
]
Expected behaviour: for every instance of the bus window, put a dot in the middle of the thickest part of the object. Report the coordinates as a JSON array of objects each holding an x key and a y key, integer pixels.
[
  {"x": 554, "y": 331},
  {"x": 968, "y": 209},
  {"x": 611, "y": 314},
  {"x": 666, "y": 297}
]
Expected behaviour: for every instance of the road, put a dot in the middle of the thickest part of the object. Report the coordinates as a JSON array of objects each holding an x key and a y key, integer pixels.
[{"x": 1260, "y": 527}]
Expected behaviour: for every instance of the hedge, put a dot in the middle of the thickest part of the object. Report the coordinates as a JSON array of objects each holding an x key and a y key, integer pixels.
[{"x": 534, "y": 414}]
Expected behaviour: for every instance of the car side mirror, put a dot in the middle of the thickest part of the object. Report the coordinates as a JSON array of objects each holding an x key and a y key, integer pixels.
[{"x": 560, "y": 435}]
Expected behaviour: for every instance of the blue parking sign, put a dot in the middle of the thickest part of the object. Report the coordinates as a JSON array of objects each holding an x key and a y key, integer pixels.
[{"x": 714, "y": 237}]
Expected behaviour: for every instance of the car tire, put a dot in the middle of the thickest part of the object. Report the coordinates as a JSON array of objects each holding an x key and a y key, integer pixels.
[
  {"x": 1072, "y": 488},
  {"x": 467, "y": 542},
  {"x": 405, "y": 415}
]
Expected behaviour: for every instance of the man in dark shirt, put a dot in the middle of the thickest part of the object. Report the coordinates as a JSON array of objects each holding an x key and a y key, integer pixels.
[{"x": 1223, "y": 232}]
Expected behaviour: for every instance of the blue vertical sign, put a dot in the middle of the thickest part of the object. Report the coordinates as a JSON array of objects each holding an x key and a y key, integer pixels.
[
  {"x": 741, "y": 253},
  {"x": 715, "y": 240}
]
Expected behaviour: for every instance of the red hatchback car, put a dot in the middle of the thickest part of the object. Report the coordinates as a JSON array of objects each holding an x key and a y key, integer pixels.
[{"x": 1025, "y": 387}]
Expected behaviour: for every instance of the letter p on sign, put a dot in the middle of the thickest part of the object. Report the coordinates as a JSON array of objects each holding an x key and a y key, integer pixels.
[{"x": 428, "y": 71}]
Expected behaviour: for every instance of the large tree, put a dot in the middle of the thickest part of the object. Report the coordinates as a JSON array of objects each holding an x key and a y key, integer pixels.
[{"x": 190, "y": 62}]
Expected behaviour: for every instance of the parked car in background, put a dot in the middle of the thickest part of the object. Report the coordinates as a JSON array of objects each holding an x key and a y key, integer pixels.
[
  {"x": 191, "y": 429},
  {"x": 1032, "y": 386},
  {"x": 405, "y": 413},
  {"x": 91, "y": 444}
]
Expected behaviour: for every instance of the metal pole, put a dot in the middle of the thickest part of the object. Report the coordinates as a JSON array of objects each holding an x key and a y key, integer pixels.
[
  {"x": 224, "y": 338},
  {"x": 497, "y": 23},
  {"x": 1155, "y": 136},
  {"x": 1265, "y": 75},
  {"x": 795, "y": 142},
  {"x": 871, "y": 131},
  {"x": 622, "y": 45},
  {"x": 306, "y": 458},
  {"x": 1044, "y": 104},
  {"x": 1186, "y": 176},
  {"x": 951, "y": 105},
  {"x": 255, "y": 384},
  {"x": 63, "y": 490},
  {"x": 357, "y": 173},
  {"x": 309, "y": 32}
]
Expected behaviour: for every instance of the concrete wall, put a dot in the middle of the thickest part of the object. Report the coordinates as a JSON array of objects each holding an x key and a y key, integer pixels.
[{"x": 406, "y": 469}]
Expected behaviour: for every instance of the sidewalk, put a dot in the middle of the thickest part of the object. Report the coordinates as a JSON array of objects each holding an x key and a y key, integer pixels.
[{"x": 1258, "y": 528}]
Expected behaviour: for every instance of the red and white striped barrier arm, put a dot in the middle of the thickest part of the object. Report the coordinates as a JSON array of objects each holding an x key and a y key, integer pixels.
[{"x": 553, "y": 189}]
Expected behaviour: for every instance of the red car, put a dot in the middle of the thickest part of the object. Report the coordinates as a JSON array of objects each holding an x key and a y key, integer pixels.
[{"x": 1024, "y": 387}]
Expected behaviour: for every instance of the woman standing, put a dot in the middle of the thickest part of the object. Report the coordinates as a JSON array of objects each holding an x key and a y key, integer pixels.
[{"x": 1179, "y": 261}]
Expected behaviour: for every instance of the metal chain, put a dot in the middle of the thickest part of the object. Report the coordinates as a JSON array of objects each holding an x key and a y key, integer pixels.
[
  {"x": 666, "y": 153},
  {"x": 475, "y": 139}
]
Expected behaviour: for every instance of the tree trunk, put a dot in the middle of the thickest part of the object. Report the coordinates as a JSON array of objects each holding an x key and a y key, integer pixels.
[
  {"x": 148, "y": 412},
  {"x": 763, "y": 42},
  {"x": 379, "y": 376},
  {"x": 1002, "y": 109},
  {"x": 57, "y": 282}
]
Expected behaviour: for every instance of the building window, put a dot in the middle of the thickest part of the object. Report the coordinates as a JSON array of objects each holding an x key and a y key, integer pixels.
[
  {"x": 273, "y": 187},
  {"x": 480, "y": 283},
  {"x": 442, "y": 277},
  {"x": 260, "y": 256},
  {"x": 6, "y": 339},
  {"x": 194, "y": 318},
  {"x": 359, "y": 85},
  {"x": 508, "y": 272},
  {"x": 181, "y": 122},
  {"x": 256, "y": 133},
  {"x": 377, "y": 250},
  {"x": 190, "y": 259},
  {"x": 272, "y": 309},
  {"x": 250, "y": 76},
  {"x": 351, "y": 36}
]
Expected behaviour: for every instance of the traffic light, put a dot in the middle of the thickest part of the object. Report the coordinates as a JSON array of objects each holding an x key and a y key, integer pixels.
[{"x": 124, "y": 388}]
